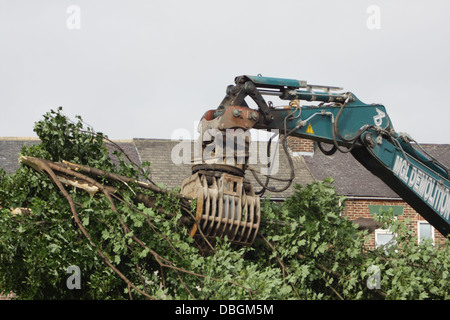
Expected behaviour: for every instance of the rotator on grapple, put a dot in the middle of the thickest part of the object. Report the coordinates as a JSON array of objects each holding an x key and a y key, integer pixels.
[{"x": 228, "y": 205}]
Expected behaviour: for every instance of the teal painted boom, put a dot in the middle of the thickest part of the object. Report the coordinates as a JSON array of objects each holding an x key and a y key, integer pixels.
[{"x": 366, "y": 131}]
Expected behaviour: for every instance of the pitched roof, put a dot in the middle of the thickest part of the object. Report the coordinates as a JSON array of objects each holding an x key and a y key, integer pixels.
[
  {"x": 158, "y": 152},
  {"x": 352, "y": 179},
  {"x": 162, "y": 169},
  {"x": 10, "y": 149},
  {"x": 127, "y": 147}
]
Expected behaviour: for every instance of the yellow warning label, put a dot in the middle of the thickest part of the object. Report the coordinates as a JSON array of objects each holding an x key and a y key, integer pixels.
[{"x": 309, "y": 129}]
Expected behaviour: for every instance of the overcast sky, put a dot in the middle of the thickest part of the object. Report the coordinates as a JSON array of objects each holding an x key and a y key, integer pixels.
[{"x": 142, "y": 69}]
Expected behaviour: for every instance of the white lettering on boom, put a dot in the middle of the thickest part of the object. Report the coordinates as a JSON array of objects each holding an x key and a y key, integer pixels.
[{"x": 435, "y": 193}]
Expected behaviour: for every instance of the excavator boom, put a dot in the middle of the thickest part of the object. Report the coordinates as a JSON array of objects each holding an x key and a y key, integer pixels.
[{"x": 334, "y": 118}]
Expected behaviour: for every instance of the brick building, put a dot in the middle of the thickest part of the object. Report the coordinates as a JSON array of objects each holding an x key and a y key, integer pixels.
[{"x": 366, "y": 194}]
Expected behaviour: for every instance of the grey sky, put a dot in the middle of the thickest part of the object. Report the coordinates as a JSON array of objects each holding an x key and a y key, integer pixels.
[{"x": 142, "y": 69}]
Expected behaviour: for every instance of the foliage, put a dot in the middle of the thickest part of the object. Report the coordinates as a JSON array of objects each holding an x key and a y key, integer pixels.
[
  {"x": 305, "y": 249},
  {"x": 324, "y": 256}
]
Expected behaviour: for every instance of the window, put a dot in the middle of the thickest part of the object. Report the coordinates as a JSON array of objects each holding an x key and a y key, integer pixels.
[
  {"x": 384, "y": 238},
  {"x": 380, "y": 209},
  {"x": 425, "y": 231}
]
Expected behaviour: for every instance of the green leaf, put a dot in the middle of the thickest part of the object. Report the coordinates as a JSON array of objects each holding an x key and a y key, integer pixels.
[
  {"x": 105, "y": 234},
  {"x": 144, "y": 253}
]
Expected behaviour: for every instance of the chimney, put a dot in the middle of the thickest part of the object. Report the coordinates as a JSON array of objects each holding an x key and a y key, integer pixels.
[{"x": 299, "y": 146}]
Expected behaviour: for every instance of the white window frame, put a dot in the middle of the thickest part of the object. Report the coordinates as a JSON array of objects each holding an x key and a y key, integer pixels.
[
  {"x": 419, "y": 222},
  {"x": 383, "y": 232}
]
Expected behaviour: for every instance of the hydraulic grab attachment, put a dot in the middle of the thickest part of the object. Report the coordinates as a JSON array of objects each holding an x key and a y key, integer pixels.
[{"x": 228, "y": 205}]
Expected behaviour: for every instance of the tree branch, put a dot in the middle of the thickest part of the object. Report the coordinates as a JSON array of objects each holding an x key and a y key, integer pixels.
[{"x": 44, "y": 167}]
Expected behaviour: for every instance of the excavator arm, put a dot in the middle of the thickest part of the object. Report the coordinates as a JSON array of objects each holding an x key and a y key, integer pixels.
[{"x": 334, "y": 118}]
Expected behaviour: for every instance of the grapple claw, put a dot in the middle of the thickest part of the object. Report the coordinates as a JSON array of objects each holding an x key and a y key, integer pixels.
[{"x": 226, "y": 206}]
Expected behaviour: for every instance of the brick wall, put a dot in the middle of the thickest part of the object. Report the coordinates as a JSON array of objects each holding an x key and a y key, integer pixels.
[
  {"x": 359, "y": 208},
  {"x": 300, "y": 145}
]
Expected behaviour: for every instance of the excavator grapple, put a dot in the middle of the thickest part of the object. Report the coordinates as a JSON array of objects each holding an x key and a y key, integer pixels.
[{"x": 226, "y": 206}]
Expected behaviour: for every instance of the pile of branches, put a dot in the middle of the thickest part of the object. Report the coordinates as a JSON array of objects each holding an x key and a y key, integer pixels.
[{"x": 65, "y": 174}]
